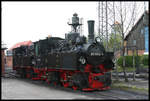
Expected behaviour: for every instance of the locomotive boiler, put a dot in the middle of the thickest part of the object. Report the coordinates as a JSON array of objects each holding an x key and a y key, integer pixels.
[{"x": 74, "y": 61}]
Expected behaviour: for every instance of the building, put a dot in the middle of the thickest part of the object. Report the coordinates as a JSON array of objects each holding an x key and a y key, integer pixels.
[
  {"x": 3, "y": 60},
  {"x": 138, "y": 37},
  {"x": 9, "y": 57},
  {"x": 21, "y": 43}
]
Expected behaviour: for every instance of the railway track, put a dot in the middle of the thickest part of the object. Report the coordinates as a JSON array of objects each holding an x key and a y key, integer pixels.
[
  {"x": 10, "y": 74},
  {"x": 120, "y": 94},
  {"x": 108, "y": 94},
  {"x": 104, "y": 95}
]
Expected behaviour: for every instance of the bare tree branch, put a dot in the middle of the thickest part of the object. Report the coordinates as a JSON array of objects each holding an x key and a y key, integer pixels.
[
  {"x": 132, "y": 17},
  {"x": 125, "y": 14}
]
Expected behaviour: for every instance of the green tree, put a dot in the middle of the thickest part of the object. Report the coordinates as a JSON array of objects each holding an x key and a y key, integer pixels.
[{"x": 114, "y": 41}]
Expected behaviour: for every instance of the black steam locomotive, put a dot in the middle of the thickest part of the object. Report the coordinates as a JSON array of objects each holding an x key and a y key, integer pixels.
[{"x": 70, "y": 62}]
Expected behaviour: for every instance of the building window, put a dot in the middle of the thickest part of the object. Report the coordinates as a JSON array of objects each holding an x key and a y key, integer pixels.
[
  {"x": 146, "y": 39},
  {"x": 134, "y": 42},
  {"x": 142, "y": 31}
]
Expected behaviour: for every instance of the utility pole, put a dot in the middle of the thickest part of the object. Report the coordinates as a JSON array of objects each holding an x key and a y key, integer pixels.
[
  {"x": 101, "y": 11},
  {"x": 99, "y": 19},
  {"x": 117, "y": 78},
  {"x": 134, "y": 42},
  {"x": 105, "y": 21},
  {"x": 133, "y": 63},
  {"x": 102, "y": 21},
  {"x": 106, "y": 28}
]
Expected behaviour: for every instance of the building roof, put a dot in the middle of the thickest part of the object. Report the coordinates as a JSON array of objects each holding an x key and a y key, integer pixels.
[
  {"x": 25, "y": 43},
  {"x": 126, "y": 37},
  {"x": 3, "y": 48}
]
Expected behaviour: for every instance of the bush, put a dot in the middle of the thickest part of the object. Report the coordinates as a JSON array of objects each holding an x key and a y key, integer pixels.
[
  {"x": 145, "y": 60},
  {"x": 129, "y": 61},
  {"x": 119, "y": 61}
]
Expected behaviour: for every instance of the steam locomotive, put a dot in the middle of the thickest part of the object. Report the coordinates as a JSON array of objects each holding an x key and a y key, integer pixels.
[{"x": 70, "y": 62}]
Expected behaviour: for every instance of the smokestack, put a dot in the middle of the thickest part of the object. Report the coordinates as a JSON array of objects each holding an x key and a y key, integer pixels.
[{"x": 91, "y": 30}]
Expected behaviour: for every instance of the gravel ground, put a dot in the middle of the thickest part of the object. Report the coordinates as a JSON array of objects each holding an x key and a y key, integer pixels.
[
  {"x": 20, "y": 89},
  {"x": 26, "y": 89},
  {"x": 141, "y": 83}
]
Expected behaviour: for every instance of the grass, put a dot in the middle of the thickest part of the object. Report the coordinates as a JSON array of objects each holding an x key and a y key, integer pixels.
[
  {"x": 123, "y": 86},
  {"x": 145, "y": 66},
  {"x": 128, "y": 69}
]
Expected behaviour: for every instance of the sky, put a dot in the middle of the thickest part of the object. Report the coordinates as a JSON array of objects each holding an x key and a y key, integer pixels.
[{"x": 23, "y": 21}]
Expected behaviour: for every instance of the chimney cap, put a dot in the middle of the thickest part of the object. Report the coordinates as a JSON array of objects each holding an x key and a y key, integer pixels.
[
  {"x": 75, "y": 14},
  {"x": 90, "y": 20}
]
